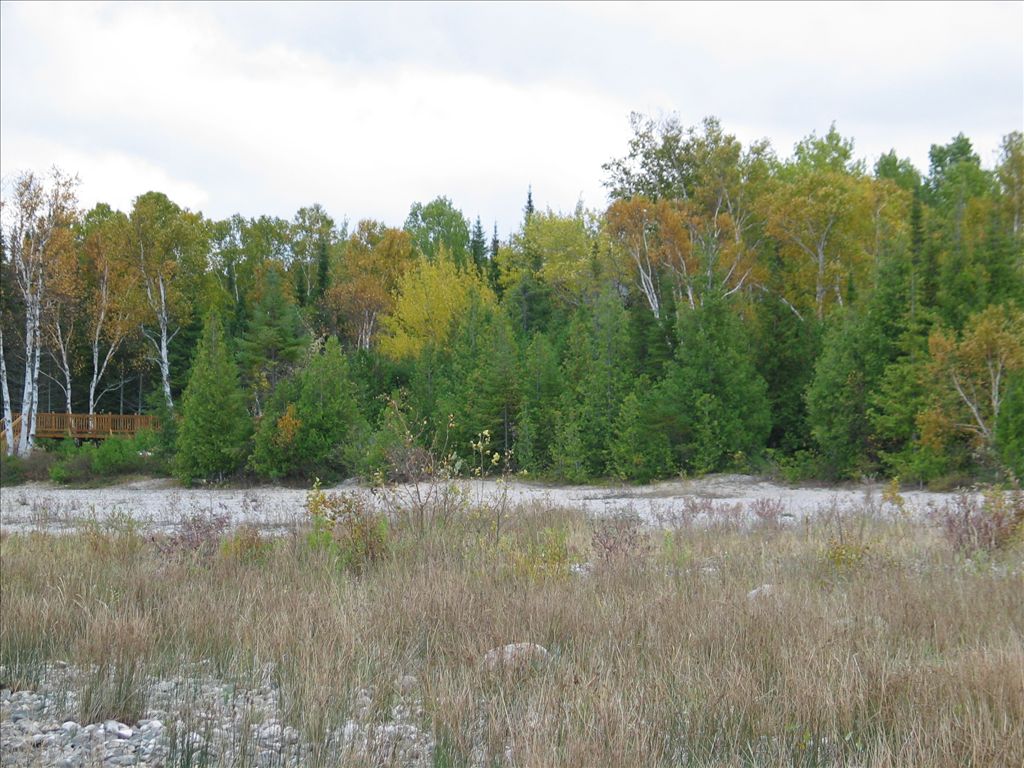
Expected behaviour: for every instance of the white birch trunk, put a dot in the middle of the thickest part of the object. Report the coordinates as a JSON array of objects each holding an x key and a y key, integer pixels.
[{"x": 8, "y": 414}]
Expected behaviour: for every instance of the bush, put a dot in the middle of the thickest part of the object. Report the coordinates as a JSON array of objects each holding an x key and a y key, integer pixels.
[
  {"x": 113, "y": 457},
  {"x": 116, "y": 456},
  {"x": 246, "y": 545},
  {"x": 75, "y": 464},
  {"x": 994, "y": 521},
  {"x": 346, "y": 527}
]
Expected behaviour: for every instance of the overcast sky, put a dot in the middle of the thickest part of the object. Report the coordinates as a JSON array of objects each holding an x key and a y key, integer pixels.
[{"x": 367, "y": 108}]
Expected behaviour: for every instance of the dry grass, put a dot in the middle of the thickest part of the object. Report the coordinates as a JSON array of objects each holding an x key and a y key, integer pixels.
[{"x": 876, "y": 646}]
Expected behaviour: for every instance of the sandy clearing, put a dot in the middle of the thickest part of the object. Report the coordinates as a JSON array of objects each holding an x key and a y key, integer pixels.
[{"x": 161, "y": 504}]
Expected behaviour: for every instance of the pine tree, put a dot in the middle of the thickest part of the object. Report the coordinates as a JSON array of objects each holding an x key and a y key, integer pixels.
[
  {"x": 528, "y": 209},
  {"x": 215, "y": 426},
  {"x": 493, "y": 270},
  {"x": 569, "y": 457},
  {"x": 323, "y": 269}
]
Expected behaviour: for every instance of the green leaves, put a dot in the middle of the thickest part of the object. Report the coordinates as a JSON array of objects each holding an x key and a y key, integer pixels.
[{"x": 213, "y": 436}]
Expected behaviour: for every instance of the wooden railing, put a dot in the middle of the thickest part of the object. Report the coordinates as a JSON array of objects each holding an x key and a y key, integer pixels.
[
  {"x": 15, "y": 430},
  {"x": 84, "y": 426}
]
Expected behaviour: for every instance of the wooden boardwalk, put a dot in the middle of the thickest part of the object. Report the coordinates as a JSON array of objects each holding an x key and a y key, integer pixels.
[{"x": 83, "y": 426}]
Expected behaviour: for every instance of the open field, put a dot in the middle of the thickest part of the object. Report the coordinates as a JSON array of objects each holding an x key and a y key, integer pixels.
[{"x": 857, "y": 636}]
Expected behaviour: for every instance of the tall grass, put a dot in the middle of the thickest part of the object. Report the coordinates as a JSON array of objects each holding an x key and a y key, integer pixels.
[{"x": 904, "y": 653}]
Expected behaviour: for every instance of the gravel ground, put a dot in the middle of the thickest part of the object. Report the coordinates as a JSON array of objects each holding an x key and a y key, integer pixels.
[
  {"x": 161, "y": 504},
  {"x": 196, "y": 719}
]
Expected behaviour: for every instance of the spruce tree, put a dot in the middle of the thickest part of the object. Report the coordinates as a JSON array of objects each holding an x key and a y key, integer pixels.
[
  {"x": 478, "y": 246},
  {"x": 215, "y": 426}
]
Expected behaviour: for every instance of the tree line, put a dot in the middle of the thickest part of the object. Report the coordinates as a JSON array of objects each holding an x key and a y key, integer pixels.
[{"x": 729, "y": 310}]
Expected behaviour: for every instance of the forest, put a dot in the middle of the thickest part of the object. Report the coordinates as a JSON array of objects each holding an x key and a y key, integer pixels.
[{"x": 809, "y": 316}]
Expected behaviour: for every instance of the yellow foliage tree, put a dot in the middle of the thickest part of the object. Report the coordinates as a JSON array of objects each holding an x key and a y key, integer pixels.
[{"x": 431, "y": 297}]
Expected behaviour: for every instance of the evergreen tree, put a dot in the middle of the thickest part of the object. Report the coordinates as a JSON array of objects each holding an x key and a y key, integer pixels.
[
  {"x": 605, "y": 381},
  {"x": 1010, "y": 428},
  {"x": 837, "y": 400},
  {"x": 786, "y": 347},
  {"x": 478, "y": 246},
  {"x": 323, "y": 269},
  {"x": 313, "y": 425},
  {"x": 541, "y": 390},
  {"x": 215, "y": 426},
  {"x": 528, "y": 209},
  {"x": 712, "y": 405},
  {"x": 569, "y": 456},
  {"x": 637, "y": 451},
  {"x": 493, "y": 270},
  {"x": 273, "y": 341}
]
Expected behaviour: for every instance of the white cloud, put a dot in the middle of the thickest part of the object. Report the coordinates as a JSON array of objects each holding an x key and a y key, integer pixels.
[
  {"x": 235, "y": 110},
  {"x": 108, "y": 176}
]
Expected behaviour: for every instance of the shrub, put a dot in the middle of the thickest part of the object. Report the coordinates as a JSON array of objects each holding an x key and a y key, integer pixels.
[
  {"x": 347, "y": 527},
  {"x": 11, "y": 470},
  {"x": 198, "y": 535},
  {"x": 620, "y": 540},
  {"x": 540, "y": 554},
  {"x": 115, "y": 456},
  {"x": 75, "y": 464},
  {"x": 973, "y": 524},
  {"x": 246, "y": 545}
]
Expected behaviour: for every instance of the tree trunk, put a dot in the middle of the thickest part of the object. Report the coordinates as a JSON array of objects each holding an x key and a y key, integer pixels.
[{"x": 8, "y": 415}]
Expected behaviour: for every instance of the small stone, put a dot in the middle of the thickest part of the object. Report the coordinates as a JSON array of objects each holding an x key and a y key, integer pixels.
[
  {"x": 765, "y": 590},
  {"x": 407, "y": 684},
  {"x": 349, "y": 732},
  {"x": 70, "y": 726},
  {"x": 120, "y": 730},
  {"x": 518, "y": 656},
  {"x": 37, "y": 739}
]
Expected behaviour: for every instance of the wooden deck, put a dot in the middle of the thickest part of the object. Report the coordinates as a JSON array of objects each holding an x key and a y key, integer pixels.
[{"x": 83, "y": 426}]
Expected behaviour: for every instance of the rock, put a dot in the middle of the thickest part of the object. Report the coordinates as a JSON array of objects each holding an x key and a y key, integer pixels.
[
  {"x": 70, "y": 726},
  {"x": 120, "y": 730},
  {"x": 515, "y": 656},
  {"x": 765, "y": 590},
  {"x": 407, "y": 684}
]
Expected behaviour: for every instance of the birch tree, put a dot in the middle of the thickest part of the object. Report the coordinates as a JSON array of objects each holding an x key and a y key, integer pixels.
[
  {"x": 366, "y": 284},
  {"x": 62, "y": 311},
  {"x": 112, "y": 308},
  {"x": 166, "y": 243},
  {"x": 976, "y": 368},
  {"x": 820, "y": 211},
  {"x": 37, "y": 220},
  {"x": 684, "y": 202}
]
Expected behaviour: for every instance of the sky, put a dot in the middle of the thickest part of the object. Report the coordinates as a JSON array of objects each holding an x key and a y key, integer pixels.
[{"x": 366, "y": 108}]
